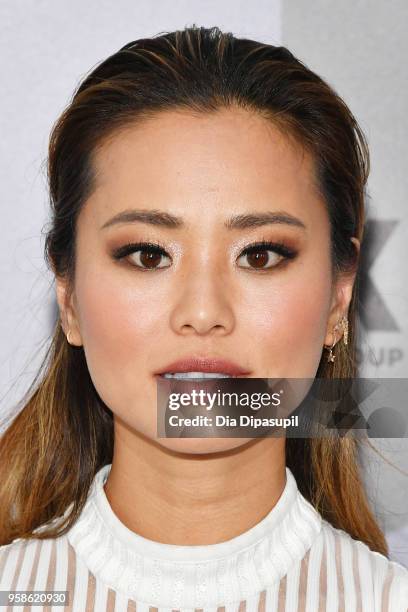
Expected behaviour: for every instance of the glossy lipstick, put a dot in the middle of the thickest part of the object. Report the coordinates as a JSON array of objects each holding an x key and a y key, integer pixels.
[{"x": 204, "y": 364}]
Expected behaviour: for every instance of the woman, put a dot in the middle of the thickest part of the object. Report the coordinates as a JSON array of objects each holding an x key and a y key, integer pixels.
[{"x": 207, "y": 214}]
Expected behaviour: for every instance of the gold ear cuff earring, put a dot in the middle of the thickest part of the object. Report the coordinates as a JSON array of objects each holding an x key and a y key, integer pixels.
[
  {"x": 344, "y": 324},
  {"x": 68, "y": 340},
  {"x": 66, "y": 334}
]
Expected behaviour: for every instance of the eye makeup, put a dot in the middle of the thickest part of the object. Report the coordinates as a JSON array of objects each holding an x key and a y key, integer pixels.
[{"x": 155, "y": 248}]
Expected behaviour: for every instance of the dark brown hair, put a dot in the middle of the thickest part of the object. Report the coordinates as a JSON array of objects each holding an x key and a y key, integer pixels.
[{"x": 64, "y": 433}]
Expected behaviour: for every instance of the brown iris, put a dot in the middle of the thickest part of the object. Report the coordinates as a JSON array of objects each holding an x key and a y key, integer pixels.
[
  {"x": 258, "y": 259},
  {"x": 149, "y": 259}
]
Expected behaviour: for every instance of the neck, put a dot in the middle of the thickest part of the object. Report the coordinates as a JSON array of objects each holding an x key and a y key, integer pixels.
[{"x": 193, "y": 499}]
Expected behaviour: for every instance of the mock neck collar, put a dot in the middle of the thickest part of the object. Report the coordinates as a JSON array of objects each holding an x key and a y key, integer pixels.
[{"x": 183, "y": 575}]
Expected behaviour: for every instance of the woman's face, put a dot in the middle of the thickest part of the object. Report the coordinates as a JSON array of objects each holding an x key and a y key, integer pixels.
[{"x": 266, "y": 312}]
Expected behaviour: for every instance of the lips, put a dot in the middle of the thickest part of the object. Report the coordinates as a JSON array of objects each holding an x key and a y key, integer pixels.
[{"x": 204, "y": 364}]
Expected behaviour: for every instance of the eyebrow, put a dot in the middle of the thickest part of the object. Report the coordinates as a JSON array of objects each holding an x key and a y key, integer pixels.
[{"x": 168, "y": 220}]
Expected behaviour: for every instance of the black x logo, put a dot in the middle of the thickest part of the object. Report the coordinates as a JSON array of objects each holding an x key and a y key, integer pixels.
[{"x": 373, "y": 311}]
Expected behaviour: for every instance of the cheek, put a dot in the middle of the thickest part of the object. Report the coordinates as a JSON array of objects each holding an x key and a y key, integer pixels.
[
  {"x": 118, "y": 326},
  {"x": 288, "y": 318},
  {"x": 114, "y": 321}
]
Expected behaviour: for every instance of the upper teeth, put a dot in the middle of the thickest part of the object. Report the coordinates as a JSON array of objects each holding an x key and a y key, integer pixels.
[{"x": 197, "y": 375}]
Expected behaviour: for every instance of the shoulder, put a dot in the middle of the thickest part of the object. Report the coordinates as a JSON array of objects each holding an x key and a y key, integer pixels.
[
  {"x": 12, "y": 558},
  {"x": 13, "y": 555},
  {"x": 16, "y": 547},
  {"x": 31, "y": 550},
  {"x": 20, "y": 558},
  {"x": 380, "y": 582}
]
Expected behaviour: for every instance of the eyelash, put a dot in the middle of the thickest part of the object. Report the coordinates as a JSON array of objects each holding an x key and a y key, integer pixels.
[{"x": 155, "y": 247}]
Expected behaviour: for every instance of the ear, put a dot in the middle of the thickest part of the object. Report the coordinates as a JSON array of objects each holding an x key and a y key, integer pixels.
[
  {"x": 68, "y": 310},
  {"x": 342, "y": 293}
]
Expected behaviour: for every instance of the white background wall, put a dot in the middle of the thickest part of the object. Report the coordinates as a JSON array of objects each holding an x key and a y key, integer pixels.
[{"x": 359, "y": 47}]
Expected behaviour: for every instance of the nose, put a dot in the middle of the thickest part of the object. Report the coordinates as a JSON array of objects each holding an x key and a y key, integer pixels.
[{"x": 204, "y": 302}]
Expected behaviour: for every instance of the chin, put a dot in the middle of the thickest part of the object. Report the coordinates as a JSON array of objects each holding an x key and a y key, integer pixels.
[{"x": 202, "y": 446}]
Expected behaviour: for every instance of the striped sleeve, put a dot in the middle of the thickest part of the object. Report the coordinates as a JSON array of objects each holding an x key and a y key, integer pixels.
[
  {"x": 398, "y": 589},
  {"x": 362, "y": 579}
]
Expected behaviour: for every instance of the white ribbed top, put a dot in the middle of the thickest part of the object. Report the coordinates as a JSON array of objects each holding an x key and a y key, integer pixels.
[
  {"x": 290, "y": 561},
  {"x": 194, "y": 576}
]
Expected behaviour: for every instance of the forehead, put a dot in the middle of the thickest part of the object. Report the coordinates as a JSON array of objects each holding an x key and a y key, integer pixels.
[{"x": 177, "y": 159}]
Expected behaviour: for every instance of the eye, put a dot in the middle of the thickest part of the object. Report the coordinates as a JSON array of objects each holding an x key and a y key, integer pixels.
[
  {"x": 260, "y": 258},
  {"x": 146, "y": 255}
]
